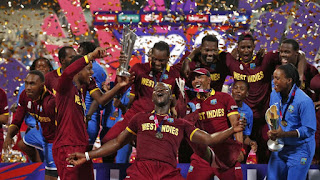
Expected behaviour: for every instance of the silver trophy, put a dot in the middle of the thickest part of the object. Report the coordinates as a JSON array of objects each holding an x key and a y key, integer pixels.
[
  {"x": 272, "y": 119},
  {"x": 128, "y": 40}
]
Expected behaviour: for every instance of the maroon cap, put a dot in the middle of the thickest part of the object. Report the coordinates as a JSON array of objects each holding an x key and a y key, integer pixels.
[{"x": 202, "y": 71}]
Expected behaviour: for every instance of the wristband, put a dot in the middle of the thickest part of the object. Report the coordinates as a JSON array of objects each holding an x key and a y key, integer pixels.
[
  {"x": 87, "y": 156},
  {"x": 243, "y": 151},
  {"x": 189, "y": 59}
]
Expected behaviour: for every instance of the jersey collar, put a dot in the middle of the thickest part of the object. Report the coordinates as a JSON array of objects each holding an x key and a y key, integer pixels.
[{"x": 213, "y": 92}]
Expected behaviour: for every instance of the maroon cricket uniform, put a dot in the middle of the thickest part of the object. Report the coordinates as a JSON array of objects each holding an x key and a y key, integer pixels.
[
  {"x": 218, "y": 71},
  {"x": 153, "y": 152},
  {"x": 258, "y": 73},
  {"x": 43, "y": 110},
  {"x": 142, "y": 89},
  {"x": 309, "y": 72},
  {"x": 51, "y": 80},
  {"x": 213, "y": 117},
  {"x": 315, "y": 85},
  {"x": 4, "y": 110},
  {"x": 71, "y": 134}
]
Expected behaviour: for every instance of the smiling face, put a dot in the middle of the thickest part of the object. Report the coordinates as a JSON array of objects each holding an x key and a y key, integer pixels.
[
  {"x": 281, "y": 82},
  {"x": 161, "y": 95},
  {"x": 240, "y": 91},
  {"x": 245, "y": 49},
  {"x": 159, "y": 60},
  {"x": 85, "y": 74},
  {"x": 288, "y": 54},
  {"x": 201, "y": 81},
  {"x": 209, "y": 52},
  {"x": 33, "y": 86}
]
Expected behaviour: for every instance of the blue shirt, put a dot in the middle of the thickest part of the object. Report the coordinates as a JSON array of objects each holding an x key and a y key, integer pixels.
[
  {"x": 245, "y": 111},
  {"x": 300, "y": 115},
  {"x": 108, "y": 119}
]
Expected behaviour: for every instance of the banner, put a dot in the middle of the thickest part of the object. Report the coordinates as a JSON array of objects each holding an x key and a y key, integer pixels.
[{"x": 35, "y": 171}]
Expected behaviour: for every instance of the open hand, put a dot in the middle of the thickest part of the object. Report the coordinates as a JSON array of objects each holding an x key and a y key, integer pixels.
[
  {"x": 99, "y": 52},
  {"x": 76, "y": 158}
]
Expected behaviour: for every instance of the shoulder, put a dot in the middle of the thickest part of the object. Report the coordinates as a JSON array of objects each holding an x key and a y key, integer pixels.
[
  {"x": 302, "y": 97},
  {"x": 2, "y": 92}
]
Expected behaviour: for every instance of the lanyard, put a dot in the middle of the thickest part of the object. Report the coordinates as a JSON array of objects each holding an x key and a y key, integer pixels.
[
  {"x": 283, "y": 116},
  {"x": 197, "y": 89},
  {"x": 161, "y": 77},
  {"x": 156, "y": 122}
]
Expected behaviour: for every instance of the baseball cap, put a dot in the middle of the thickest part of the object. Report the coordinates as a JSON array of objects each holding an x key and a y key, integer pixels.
[{"x": 202, "y": 71}]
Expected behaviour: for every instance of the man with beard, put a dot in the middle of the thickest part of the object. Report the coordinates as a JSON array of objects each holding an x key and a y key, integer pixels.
[
  {"x": 71, "y": 134},
  {"x": 147, "y": 75},
  {"x": 39, "y": 103},
  {"x": 158, "y": 135},
  {"x": 258, "y": 73}
]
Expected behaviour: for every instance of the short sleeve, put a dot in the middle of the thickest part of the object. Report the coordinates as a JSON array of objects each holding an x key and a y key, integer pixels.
[
  {"x": 232, "y": 107},
  {"x": 133, "y": 124},
  {"x": 189, "y": 129},
  {"x": 93, "y": 86}
]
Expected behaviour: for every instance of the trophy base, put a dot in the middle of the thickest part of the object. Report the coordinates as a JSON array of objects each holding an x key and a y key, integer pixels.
[
  {"x": 275, "y": 146},
  {"x": 123, "y": 73}
]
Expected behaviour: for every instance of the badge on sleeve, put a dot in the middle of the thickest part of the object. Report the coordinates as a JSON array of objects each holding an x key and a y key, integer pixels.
[
  {"x": 213, "y": 101},
  {"x": 303, "y": 161}
]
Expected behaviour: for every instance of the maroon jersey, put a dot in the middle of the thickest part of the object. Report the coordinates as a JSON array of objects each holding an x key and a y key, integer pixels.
[
  {"x": 42, "y": 110},
  {"x": 144, "y": 83},
  {"x": 218, "y": 71},
  {"x": 213, "y": 117},
  {"x": 315, "y": 85},
  {"x": 4, "y": 110},
  {"x": 71, "y": 128},
  {"x": 309, "y": 72},
  {"x": 51, "y": 80},
  {"x": 259, "y": 79},
  {"x": 151, "y": 148},
  {"x": 215, "y": 110}
]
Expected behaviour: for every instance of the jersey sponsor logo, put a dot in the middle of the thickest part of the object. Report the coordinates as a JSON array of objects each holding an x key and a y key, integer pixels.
[
  {"x": 241, "y": 67},
  {"x": 150, "y": 83},
  {"x": 29, "y": 105},
  {"x": 303, "y": 161},
  {"x": 164, "y": 128},
  {"x": 211, "y": 114},
  {"x": 291, "y": 108},
  {"x": 213, "y": 101},
  {"x": 40, "y": 118},
  {"x": 215, "y": 76},
  {"x": 250, "y": 78},
  {"x": 198, "y": 106}
]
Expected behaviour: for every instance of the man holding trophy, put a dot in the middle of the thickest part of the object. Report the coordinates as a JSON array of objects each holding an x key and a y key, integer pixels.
[{"x": 293, "y": 124}]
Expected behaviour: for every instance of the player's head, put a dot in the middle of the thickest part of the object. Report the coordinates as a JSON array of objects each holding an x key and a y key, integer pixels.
[
  {"x": 65, "y": 55},
  {"x": 42, "y": 64},
  {"x": 201, "y": 78},
  {"x": 34, "y": 84},
  {"x": 240, "y": 90},
  {"x": 85, "y": 74},
  {"x": 209, "y": 49},
  {"x": 289, "y": 51},
  {"x": 284, "y": 77},
  {"x": 161, "y": 95},
  {"x": 245, "y": 46},
  {"x": 160, "y": 56},
  {"x": 86, "y": 47}
]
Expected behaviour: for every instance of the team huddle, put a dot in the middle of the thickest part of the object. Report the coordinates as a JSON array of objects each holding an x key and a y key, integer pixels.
[{"x": 166, "y": 105}]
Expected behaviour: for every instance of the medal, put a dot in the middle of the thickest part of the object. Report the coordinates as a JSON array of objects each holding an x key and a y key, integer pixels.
[
  {"x": 284, "y": 123},
  {"x": 159, "y": 135}
]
